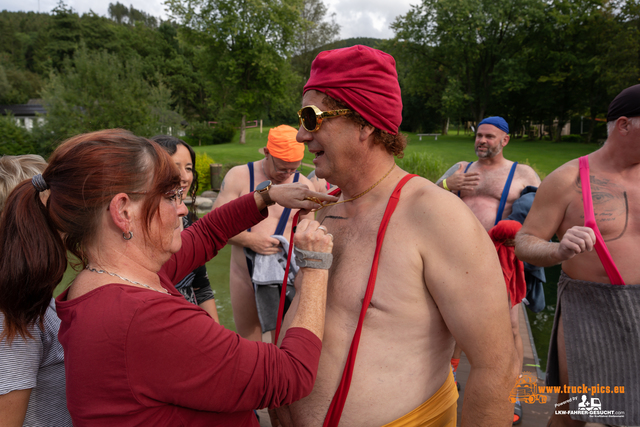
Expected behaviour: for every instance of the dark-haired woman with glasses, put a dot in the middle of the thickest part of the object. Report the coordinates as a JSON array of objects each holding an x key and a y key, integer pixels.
[
  {"x": 115, "y": 202},
  {"x": 195, "y": 287}
]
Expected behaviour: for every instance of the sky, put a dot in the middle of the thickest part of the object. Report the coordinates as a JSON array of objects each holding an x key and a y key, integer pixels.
[{"x": 357, "y": 18}]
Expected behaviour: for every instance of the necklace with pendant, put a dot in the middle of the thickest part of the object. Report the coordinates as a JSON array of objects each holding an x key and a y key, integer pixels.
[{"x": 125, "y": 279}]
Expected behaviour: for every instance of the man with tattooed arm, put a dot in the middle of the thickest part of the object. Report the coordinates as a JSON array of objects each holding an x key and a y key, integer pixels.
[{"x": 594, "y": 203}]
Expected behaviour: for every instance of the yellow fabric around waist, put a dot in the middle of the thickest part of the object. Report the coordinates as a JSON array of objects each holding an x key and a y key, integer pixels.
[{"x": 439, "y": 411}]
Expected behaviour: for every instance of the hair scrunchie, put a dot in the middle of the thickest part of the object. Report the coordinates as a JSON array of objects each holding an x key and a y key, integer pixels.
[{"x": 39, "y": 183}]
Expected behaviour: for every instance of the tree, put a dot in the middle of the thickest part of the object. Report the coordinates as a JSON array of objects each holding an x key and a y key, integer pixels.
[
  {"x": 316, "y": 33},
  {"x": 123, "y": 15},
  {"x": 469, "y": 39},
  {"x": 64, "y": 35},
  {"x": 98, "y": 90},
  {"x": 589, "y": 56},
  {"x": 243, "y": 50},
  {"x": 14, "y": 140}
]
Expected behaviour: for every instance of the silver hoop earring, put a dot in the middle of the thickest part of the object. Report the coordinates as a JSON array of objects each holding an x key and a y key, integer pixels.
[{"x": 124, "y": 235}]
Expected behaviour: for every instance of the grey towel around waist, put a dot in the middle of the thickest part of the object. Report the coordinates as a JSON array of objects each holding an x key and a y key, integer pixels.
[
  {"x": 267, "y": 278},
  {"x": 602, "y": 341}
]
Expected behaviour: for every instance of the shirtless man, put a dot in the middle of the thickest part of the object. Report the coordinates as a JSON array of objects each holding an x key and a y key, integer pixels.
[
  {"x": 597, "y": 334},
  {"x": 434, "y": 257},
  {"x": 481, "y": 185},
  {"x": 282, "y": 157}
]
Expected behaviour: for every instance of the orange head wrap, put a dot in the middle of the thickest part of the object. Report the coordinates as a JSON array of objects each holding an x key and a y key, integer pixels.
[{"x": 282, "y": 144}]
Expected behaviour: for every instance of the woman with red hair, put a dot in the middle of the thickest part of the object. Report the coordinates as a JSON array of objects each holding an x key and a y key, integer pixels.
[{"x": 115, "y": 202}]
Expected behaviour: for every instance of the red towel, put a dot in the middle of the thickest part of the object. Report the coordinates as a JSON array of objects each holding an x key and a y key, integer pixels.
[{"x": 512, "y": 268}]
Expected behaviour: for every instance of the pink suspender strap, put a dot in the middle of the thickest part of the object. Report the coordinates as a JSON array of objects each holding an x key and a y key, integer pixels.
[
  {"x": 590, "y": 221},
  {"x": 340, "y": 397}
]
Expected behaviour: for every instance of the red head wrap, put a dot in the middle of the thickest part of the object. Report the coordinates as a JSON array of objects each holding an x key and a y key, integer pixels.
[{"x": 363, "y": 78}]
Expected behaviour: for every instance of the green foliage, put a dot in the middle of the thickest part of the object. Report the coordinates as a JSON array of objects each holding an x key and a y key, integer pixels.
[
  {"x": 14, "y": 140},
  {"x": 18, "y": 86},
  {"x": 244, "y": 45},
  {"x": 572, "y": 138},
  {"x": 201, "y": 133},
  {"x": 530, "y": 61},
  {"x": 223, "y": 133},
  {"x": 123, "y": 15},
  {"x": 97, "y": 90},
  {"x": 64, "y": 35},
  {"x": 204, "y": 171},
  {"x": 425, "y": 164}
]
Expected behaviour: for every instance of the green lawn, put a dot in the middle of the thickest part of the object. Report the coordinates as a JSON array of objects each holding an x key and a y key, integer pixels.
[{"x": 545, "y": 156}]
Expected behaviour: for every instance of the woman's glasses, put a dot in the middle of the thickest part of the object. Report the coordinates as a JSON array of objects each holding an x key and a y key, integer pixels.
[
  {"x": 311, "y": 117},
  {"x": 175, "y": 196}
]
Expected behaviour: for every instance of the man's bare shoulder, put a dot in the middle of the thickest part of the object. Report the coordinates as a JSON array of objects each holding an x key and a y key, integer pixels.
[
  {"x": 431, "y": 203},
  {"x": 562, "y": 178},
  {"x": 527, "y": 175},
  {"x": 233, "y": 184},
  {"x": 240, "y": 172}
]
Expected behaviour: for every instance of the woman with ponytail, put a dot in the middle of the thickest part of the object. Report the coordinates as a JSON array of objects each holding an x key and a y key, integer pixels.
[
  {"x": 32, "y": 390},
  {"x": 115, "y": 202}
]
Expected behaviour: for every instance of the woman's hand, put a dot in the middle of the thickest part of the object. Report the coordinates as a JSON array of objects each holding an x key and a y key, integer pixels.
[
  {"x": 296, "y": 196},
  {"x": 311, "y": 236}
]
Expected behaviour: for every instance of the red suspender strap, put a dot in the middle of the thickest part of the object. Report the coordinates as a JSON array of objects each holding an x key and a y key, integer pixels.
[
  {"x": 337, "y": 404},
  {"x": 283, "y": 292},
  {"x": 590, "y": 221}
]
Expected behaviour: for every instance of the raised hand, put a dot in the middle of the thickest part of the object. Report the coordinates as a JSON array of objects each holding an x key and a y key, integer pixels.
[{"x": 460, "y": 180}]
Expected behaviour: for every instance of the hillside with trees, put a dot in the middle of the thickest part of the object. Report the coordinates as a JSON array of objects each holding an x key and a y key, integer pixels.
[{"x": 228, "y": 61}]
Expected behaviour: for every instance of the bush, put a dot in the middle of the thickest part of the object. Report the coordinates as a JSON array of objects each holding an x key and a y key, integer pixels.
[
  {"x": 14, "y": 140},
  {"x": 572, "y": 138},
  {"x": 204, "y": 172},
  {"x": 223, "y": 133},
  {"x": 427, "y": 165},
  {"x": 200, "y": 133}
]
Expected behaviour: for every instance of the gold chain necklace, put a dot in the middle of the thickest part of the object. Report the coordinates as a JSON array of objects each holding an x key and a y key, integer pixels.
[
  {"x": 125, "y": 279},
  {"x": 357, "y": 196}
]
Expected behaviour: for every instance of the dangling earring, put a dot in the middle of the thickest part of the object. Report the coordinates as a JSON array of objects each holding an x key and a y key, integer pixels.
[{"x": 124, "y": 235}]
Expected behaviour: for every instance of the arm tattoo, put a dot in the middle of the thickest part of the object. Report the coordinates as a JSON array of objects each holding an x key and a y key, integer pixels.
[
  {"x": 222, "y": 185},
  {"x": 448, "y": 173}
]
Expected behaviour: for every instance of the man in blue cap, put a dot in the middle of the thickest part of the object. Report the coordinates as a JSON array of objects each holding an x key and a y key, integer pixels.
[{"x": 490, "y": 186}]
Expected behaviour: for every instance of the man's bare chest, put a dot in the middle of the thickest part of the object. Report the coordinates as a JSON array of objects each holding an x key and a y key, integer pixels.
[
  {"x": 355, "y": 243},
  {"x": 615, "y": 206},
  {"x": 492, "y": 184}
]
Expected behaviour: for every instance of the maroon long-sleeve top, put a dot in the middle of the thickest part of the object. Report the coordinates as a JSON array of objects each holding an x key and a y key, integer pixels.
[{"x": 139, "y": 357}]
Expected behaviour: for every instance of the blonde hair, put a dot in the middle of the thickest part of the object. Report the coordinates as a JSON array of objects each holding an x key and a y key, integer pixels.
[{"x": 15, "y": 169}]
